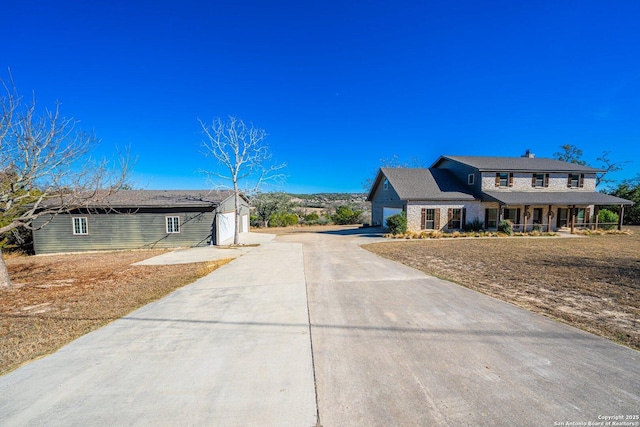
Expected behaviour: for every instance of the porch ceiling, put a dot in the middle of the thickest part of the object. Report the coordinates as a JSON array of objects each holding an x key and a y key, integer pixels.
[{"x": 554, "y": 198}]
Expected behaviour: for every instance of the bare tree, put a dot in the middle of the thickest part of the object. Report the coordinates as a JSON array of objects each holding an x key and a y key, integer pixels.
[
  {"x": 608, "y": 166},
  {"x": 45, "y": 166},
  {"x": 243, "y": 155}
]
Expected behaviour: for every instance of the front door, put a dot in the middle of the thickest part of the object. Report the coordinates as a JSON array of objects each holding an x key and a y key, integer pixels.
[{"x": 563, "y": 217}]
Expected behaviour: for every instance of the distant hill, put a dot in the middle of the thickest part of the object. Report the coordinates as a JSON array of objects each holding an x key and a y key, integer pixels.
[{"x": 328, "y": 202}]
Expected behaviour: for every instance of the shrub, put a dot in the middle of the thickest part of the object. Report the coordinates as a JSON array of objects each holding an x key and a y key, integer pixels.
[
  {"x": 505, "y": 227},
  {"x": 283, "y": 219},
  {"x": 345, "y": 215},
  {"x": 312, "y": 217},
  {"x": 397, "y": 223},
  {"x": 475, "y": 225},
  {"x": 607, "y": 216}
]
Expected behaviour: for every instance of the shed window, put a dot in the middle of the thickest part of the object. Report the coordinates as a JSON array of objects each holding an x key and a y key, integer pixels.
[
  {"x": 173, "y": 224},
  {"x": 80, "y": 226},
  {"x": 471, "y": 179},
  {"x": 385, "y": 185}
]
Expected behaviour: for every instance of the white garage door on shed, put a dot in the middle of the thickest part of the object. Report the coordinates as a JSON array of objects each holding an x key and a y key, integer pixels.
[
  {"x": 387, "y": 212},
  {"x": 225, "y": 226}
]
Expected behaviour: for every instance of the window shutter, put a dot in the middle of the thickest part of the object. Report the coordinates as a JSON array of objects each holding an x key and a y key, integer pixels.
[
  {"x": 581, "y": 180},
  {"x": 437, "y": 221},
  {"x": 449, "y": 217},
  {"x": 486, "y": 218},
  {"x": 518, "y": 219},
  {"x": 423, "y": 219},
  {"x": 533, "y": 180},
  {"x": 497, "y": 179},
  {"x": 510, "y": 179},
  {"x": 569, "y": 181},
  {"x": 546, "y": 180},
  {"x": 463, "y": 222}
]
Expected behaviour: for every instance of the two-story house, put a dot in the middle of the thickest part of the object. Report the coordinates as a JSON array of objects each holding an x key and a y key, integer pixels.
[{"x": 528, "y": 191}]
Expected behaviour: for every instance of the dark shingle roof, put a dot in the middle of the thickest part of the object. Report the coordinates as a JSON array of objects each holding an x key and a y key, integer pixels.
[
  {"x": 518, "y": 164},
  {"x": 555, "y": 198},
  {"x": 158, "y": 199},
  {"x": 426, "y": 184}
]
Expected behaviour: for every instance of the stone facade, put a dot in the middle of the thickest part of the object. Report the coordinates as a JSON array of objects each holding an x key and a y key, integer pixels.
[{"x": 522, "y": 182}]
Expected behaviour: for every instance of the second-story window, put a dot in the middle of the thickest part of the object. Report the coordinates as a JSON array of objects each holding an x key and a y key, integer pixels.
[
  {"x": 504, "y": 179},
  {"x": 540, "y": 180},
  {"x": 385, "y": 185},
  {"x": 575, "y": 180}
]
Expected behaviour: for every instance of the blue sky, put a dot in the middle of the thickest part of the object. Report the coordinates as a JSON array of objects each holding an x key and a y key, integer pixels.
[{"x": 336, "y": 85}]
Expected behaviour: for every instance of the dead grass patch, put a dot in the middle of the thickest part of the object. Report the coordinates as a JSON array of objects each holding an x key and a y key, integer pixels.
[
  {"x": 56, "y": 299},
  {"x": 591, "y": 282}
]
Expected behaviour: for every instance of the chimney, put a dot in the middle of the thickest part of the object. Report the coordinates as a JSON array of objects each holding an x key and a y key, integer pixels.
[{"x": 528, "y": 154}]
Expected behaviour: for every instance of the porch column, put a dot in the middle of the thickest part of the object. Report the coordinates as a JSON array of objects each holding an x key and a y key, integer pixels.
[
  {"x": 596, "y": 210},
  {"x": 549, "y": 220},
  {"x": 573, "y": 218},
  {"x": 620, "y": 217},
  {"x": 526, "y": 216}
]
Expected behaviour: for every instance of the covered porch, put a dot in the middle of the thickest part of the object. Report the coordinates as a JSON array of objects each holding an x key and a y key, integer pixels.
[{"x": 551, "y": 211}]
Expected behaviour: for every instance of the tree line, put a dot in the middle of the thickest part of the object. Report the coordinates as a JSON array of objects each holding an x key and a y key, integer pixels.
[{"x": 626, "y": 189}]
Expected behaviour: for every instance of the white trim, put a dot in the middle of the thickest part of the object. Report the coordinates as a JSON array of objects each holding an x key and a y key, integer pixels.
[
  {"x": 172, "y": 224},
  {"x": 80, "y": 230}
]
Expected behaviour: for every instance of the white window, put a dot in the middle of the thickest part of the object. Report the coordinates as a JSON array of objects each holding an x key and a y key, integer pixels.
[
  {"x": 80, "y": 226},
  {"x": 173, "y": 224},
  {"x": 471, "y": 179}
]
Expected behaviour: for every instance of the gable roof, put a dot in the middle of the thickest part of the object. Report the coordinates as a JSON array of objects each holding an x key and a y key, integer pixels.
[
  {"x": 424, "y": 184},
  {"x": 516, "y": 164},
  {"x": 157, "y": 199}
]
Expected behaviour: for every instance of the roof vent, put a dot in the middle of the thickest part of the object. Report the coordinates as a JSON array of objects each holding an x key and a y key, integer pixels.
[{"x": 528, "y": 154}]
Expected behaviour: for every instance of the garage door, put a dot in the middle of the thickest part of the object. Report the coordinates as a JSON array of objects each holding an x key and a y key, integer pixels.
[
  {"x": 226, "y": 224},
  {"x": 387, "y": 212},
  {"x": 245, "y": 224}
]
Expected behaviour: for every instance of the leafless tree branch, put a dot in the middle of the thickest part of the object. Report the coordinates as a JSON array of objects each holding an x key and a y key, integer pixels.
[
  {"x": 242, "y": 156},
  {"x": 46, "y": 167}
]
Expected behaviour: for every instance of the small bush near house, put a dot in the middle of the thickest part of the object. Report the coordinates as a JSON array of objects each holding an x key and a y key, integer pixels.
[
  {"x": 475, "y": 225},
  {"x": 397, "y": 223},
  {"x": 283, "y": 219},
  {"x": 345, "y": 215},
  {"x": 606, "y": 216},
  {"x": 505, "y": 227}
]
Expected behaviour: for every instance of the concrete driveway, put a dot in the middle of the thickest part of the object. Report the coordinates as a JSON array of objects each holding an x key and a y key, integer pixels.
[
  {"x": 231, "y": 349},
  {"x": 391, "y": 346}
]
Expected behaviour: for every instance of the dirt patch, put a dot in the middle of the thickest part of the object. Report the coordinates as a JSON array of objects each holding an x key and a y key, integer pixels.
[
  {"x": 590, "y": 282},
  {"x": 56, "y": 299}
]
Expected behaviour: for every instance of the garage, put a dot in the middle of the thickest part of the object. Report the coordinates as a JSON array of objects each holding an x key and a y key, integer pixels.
[{"x": 387, "y": 212}]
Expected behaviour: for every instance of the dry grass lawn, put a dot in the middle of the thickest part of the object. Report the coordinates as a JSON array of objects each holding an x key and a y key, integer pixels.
[
  {"x": 56, "y": 299},
  {"x": 591, "y": 282}
]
